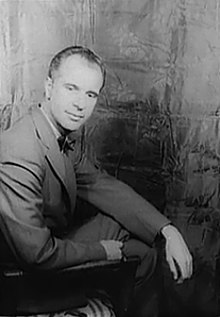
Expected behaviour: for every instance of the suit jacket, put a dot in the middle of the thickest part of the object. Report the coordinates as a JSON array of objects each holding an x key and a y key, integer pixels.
[{"x": 38, "y": 190}]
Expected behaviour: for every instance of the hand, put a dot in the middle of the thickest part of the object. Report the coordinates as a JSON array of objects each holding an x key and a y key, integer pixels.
[
  {"x": 177, "y": 251},
  {"x": 112, "y": 249}
]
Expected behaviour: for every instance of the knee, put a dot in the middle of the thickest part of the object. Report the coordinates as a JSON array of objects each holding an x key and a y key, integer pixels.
[
  {"x": 147, "y": 266},
  {"x": 147, "y": 256}
]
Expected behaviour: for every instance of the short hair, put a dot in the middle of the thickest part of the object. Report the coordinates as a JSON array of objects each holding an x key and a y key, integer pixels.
[{"x": 84, "y": 52}]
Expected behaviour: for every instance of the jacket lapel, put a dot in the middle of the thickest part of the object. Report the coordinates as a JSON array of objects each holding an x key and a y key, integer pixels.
[{"x": 53, "y": 154}]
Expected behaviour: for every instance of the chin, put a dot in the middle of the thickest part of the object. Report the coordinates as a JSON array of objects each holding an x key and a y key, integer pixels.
[{"x": 72, "y": 127}]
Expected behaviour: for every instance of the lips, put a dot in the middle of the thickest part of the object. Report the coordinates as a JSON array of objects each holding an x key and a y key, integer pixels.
[{"x": 75, "y": 117}]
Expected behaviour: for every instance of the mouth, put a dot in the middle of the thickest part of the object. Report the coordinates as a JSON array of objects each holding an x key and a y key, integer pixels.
[{"x": 74, "y": 117}]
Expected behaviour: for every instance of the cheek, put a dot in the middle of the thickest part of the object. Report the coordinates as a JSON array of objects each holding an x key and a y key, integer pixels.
[
  {"x": 57, "y": 109},
  {"x": 90, "y": 109},
  {"x": 59, "y": 95}
]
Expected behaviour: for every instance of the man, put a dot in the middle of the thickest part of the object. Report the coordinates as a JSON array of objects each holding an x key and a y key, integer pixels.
[{"x": 40, "y": 181}]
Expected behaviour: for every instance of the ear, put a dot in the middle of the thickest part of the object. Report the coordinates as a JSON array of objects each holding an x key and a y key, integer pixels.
[{"x": 48, "y": 85}]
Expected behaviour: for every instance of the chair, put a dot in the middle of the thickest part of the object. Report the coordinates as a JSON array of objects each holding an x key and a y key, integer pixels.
[
  {"x": 28, "y": 293},
  {"x": 39, "y": 292}
]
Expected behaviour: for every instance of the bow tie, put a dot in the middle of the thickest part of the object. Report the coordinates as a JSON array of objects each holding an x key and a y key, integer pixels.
[{"x": 65, "y": 144}]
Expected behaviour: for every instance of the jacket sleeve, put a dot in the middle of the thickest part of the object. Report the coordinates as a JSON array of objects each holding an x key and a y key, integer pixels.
[
  {"x": 21, "y": 204},
  {"x": 118, "y": 200}
]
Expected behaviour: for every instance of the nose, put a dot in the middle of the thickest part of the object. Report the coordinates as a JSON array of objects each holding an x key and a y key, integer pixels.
[
  {"x": 79, "y": 103},
  {"x": 78, "y": 106}
]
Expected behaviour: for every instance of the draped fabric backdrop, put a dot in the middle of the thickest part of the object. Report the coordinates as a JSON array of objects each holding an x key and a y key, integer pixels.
[{"x": 157, "y": 122}]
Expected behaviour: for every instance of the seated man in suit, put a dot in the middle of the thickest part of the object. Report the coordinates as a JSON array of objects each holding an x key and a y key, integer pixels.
[{"x": 43, "y": 171}]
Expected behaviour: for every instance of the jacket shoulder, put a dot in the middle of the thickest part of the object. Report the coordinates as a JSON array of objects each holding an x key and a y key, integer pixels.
[{"x": 20, "y": 140}]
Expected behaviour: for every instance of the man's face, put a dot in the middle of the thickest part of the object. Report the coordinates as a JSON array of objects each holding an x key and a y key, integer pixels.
[{"x": 73, "y": 92}]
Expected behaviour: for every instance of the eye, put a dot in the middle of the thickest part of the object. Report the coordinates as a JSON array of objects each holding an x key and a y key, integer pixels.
[
  {"x": 71, "y": 87},
  {"x": 92, "y": 95}
]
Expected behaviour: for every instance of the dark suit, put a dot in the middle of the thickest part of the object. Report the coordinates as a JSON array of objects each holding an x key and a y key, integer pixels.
[{"x": 38, "y": 189}]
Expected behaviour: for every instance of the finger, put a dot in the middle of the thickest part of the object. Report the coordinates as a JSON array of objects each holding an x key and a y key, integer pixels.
[
  {"x": 180, "y": 280},
  {"x": 117, "y": 249},
  {"x": 190, "y": 266},
  {"x": 184, "y": 264},
  {"x": 172, "y": 267},
  {"x": 120, "y": 244},
  {"x": 189, "y": 260},
  {"x": 119, "y": 254},
  {"x": 117, "y": 243},
  {"x": 183, "y": 268}
]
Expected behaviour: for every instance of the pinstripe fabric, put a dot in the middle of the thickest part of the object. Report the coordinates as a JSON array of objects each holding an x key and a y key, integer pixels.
[{"x": 95, "y": 308}]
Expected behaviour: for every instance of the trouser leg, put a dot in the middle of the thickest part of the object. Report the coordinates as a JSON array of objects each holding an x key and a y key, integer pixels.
[
  {"x": 145, "y": 301},
  {"x": 102, "y": 227},
  {"x": 99, "y": 227}
]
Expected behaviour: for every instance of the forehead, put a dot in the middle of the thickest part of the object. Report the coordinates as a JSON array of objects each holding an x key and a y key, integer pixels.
[{"x": 76, "y": 64}]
